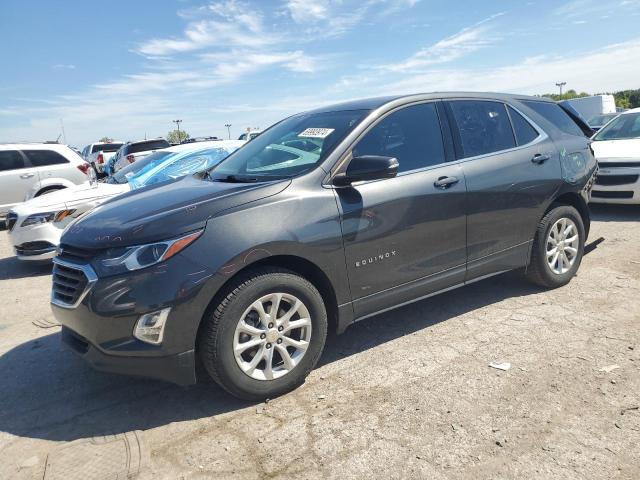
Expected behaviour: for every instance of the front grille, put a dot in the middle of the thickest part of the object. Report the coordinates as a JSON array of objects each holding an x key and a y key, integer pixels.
[
  {"x": 618, "y": 164},
  {"x": 34, "y": 248},
  {"x": 69, "y": 284},
  {"x": 605, "y": 194},
  {"x": 616, "y": 179},
  {"x": 75, "y": 254},
  {"x": 12, "y": 218}
]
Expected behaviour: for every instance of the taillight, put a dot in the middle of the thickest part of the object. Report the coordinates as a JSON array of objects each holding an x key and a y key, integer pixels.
[
  {"x": 131, "y": 158},
  {"x": 100, "y": 159},
  {"x": 84, "y": 168}
]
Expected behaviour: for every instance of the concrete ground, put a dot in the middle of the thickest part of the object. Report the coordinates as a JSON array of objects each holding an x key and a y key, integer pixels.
[{"x": 408, "y": 394}]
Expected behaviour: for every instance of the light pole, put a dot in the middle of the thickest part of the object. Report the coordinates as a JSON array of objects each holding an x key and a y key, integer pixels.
[
  {"x": 560, "y": 85},
  {"x": 228, "y": 125},
  {"x": 177, "y": 122}
]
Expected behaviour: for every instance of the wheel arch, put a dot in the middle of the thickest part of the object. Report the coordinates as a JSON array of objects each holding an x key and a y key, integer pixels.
[
  {"x": 575, "y": 200},
  {"x": 295, "y": 264}
]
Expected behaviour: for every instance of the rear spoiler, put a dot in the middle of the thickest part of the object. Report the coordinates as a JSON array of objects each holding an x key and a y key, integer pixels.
[{"x": 577, "y": 118}]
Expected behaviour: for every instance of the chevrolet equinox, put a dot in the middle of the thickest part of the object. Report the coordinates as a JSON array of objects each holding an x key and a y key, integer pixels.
[{"x": 328, "y": 217}]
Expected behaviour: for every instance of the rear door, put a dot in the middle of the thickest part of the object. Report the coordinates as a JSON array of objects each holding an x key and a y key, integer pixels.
[
  {"x": 404, "y": 237},
  {"x": 17, "y": 177},
  {"x": 512, "y": 170},
  {"x": 48, "y": 163}
]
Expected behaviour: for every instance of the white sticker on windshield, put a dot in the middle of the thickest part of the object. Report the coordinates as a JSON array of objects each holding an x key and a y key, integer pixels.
[{"x": 316, "y": 132}]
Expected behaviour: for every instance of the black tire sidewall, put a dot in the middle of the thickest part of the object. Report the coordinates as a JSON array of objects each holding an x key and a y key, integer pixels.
[
  {"x": 551, "y": 278},
  {"x": 229, "y": 372}
]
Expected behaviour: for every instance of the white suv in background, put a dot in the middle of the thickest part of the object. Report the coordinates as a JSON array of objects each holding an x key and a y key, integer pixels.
[{"x": 29, "y": 170}]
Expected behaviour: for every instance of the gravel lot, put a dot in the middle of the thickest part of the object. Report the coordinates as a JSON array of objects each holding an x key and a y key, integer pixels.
[{"x": 407, "y": 394}]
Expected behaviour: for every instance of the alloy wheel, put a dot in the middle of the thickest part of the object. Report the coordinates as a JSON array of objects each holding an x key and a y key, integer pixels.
[
  {"x": 272, "y": 336},
  {"x": 562, "y": 245}
]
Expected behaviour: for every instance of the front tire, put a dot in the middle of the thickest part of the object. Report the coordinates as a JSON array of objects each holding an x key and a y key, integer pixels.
[
  {"x": 558, "y": 248},
  {"x": 265, "y": 335}
]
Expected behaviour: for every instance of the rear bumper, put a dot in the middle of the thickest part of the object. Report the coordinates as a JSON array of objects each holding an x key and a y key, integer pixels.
[{"x": 178, "y": 369}]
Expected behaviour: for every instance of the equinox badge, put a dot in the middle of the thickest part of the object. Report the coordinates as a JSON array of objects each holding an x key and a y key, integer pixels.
[{"x": 378, "y": 258}]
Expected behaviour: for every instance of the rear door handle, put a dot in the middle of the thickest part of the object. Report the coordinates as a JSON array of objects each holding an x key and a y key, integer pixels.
[
  {"x": 27, "y": 175},
  {"x": 540, "y": 158},
  {"x": 445, "y": 182}
]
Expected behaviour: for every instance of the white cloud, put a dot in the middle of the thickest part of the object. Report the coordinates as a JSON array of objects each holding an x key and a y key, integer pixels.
[{"x": 464, "y": 42}]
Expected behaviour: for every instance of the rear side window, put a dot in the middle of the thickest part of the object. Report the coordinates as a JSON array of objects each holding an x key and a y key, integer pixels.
[
  {"x": 10, "y": 160},
  {"x": 484, "y": 127},
  {"x": 556, "y": 115},
  {"x": 151, "y": 145},
  {"x": 43, "y": 158},
  {"x": 525, "y": 133},
  {"x": 412, "y": 135}
]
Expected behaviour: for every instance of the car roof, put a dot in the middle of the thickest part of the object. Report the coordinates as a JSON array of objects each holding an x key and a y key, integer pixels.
[
  {"x": 34, "y": 146},
  {"x": 377, "y": 102},
  {"x": 632, "y": 110},
  {"x": 195, "y": 146}
]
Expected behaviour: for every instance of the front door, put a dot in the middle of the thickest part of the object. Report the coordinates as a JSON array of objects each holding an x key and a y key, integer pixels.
[
  {"x": 16, "y": 179},
  {"x": 404, "y": 237}
]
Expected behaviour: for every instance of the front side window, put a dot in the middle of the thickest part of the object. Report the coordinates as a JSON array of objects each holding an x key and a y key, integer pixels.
[
  {"x": 10, "y": 160},
  {"x": 484, "y": 127},
  {"x": 43, "y": 158},
  {"x": 411, "y": 135},
  {"x": 292, "y": 147},
  {"x": 622, "y": 127},
  {"x": 525, "y": 133}
]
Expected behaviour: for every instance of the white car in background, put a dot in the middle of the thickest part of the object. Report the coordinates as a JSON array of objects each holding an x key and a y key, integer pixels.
[
  {"x": 35, "y": 227},
  {"x": 131, "y": 152},
  {"x": 29, "y": 170},
  {"x": 617, "y": 149},
  {"x": 98, "y": 154}
]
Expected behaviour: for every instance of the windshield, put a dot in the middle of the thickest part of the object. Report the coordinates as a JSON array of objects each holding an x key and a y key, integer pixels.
[
  {"x": 622, "y": 127},
  {"x": 600, "y": 120},
  {"x": 123, "y": 174},
  {"x": 295, "y": 145},
  {"x": 180, "y": 164}
]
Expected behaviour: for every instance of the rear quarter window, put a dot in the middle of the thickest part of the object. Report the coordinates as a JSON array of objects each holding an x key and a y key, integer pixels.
[
  {"x": 43, "y": 158},
  {"x": 10, "y": 160},
  {"x": 524, "y": 131},
  {"x": 556, "y": 116}
]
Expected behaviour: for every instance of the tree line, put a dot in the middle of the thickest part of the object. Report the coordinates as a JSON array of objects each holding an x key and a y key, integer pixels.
[{"x": 623, "y": 98}]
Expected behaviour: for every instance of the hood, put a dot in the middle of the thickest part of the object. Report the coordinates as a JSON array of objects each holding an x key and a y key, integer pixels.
[
  {"x": 628, "y": 148},
  {"x": 163, "y": 211},
  {"x": 70, "y": 197}
]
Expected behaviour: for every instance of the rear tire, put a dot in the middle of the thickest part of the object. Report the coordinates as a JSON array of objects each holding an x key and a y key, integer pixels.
[
  {"x": 244, "y": 316},
  {"x": 556, "y": 253}
]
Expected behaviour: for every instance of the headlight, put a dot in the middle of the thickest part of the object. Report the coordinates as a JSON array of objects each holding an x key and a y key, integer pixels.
[
  {"x": 119, "y": 260},
  {"x": 38, "y": 218}
]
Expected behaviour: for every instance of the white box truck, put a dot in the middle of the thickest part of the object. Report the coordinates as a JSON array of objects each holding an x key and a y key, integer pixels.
[{"x": 589, "y": 107}]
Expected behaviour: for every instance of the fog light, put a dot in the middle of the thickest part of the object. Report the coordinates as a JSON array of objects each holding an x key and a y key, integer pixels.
[{"x": 150, "y": 326}]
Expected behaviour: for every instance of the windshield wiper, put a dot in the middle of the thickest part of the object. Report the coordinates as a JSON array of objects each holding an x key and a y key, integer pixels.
[{"x": 238, "y": 179}]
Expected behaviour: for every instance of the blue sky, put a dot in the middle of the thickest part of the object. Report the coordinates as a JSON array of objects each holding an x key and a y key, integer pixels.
[{"x": 127, "y": 68}]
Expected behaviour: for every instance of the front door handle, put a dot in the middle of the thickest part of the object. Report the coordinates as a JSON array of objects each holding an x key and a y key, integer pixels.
[
  {"x": 445, "y": 182},
  {"x": 539, "y": 158},
  {"x": 27, "y": 175}
]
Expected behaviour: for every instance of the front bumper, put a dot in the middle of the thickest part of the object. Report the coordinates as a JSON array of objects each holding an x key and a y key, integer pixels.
[
  {"x": 619, "y": 184},
  {"x": 34, "y": 243},
  {"x": 178, "y": 369},
  {"x": 99, "y": 318}
]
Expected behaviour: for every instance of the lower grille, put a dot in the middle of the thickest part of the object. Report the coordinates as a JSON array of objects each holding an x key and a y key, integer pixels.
[
  {"x": 34, "y": 248},
  {"x": 605, "y": 194},
  {"x": 616, "y": 179},
  {"x": 618, "y": 164},
  {"x": 70, "y": 283},
  {"x": 11, "y": 220}
]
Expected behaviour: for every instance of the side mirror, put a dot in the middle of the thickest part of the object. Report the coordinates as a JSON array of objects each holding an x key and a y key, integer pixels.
[{"x": 367, "y": 167}]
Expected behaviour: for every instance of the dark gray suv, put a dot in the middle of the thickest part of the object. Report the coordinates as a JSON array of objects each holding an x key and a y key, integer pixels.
[{"x": 327, "y": 218}]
